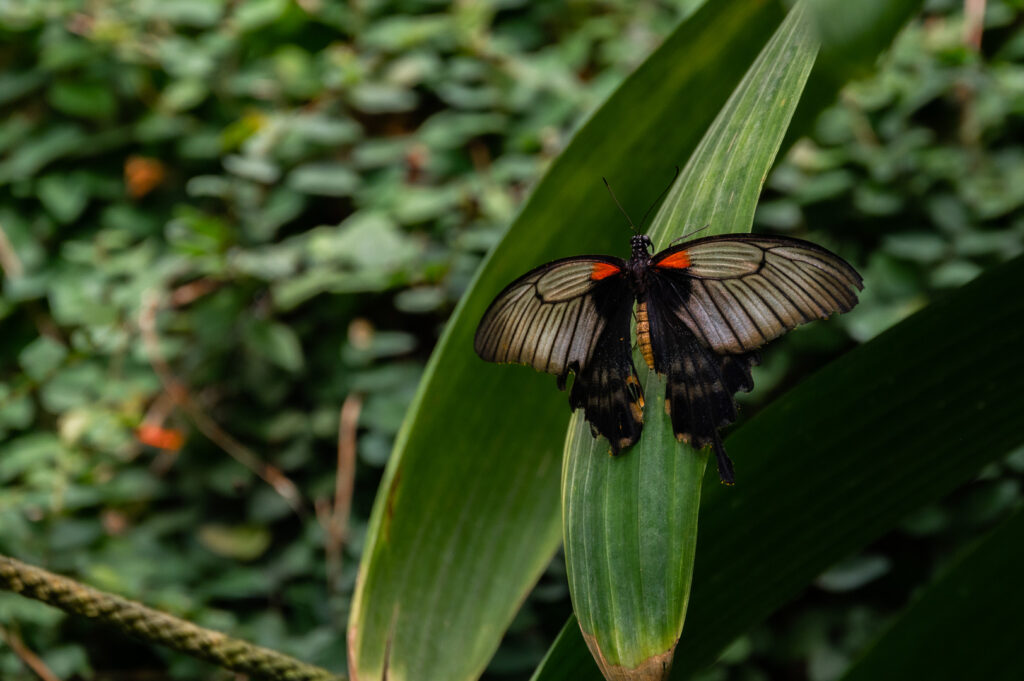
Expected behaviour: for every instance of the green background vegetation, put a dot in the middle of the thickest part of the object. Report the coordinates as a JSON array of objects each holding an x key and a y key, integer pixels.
[{"x": 293, "y": 196}]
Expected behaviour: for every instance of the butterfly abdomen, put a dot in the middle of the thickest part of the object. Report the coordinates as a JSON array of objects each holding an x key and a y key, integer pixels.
[{"x": 643, "y": 334}]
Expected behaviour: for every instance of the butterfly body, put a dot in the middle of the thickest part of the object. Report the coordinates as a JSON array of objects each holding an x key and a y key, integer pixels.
[
  {"x": 702, "y": 309},
  {"x": 643, "y": 334},
  {"x": 636, "y": 268},
  {"x": 638, "y": 264}
]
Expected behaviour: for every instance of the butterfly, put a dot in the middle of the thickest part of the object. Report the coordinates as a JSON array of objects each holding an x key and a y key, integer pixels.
[{"x": 702, "y": 309}]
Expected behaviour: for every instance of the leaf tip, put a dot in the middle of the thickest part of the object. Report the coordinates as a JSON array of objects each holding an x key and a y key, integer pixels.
[{"x": 654, "y": 668}]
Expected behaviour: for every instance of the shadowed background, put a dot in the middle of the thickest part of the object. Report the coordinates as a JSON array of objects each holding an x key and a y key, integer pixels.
[{"x": 232, "y": 233}]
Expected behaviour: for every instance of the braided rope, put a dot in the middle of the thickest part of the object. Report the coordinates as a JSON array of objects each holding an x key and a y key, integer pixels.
[{"x": 154, "y": 626}]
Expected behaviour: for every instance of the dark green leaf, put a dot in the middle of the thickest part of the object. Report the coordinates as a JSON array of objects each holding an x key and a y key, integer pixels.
[
  {"x": 843, "y": 457},
  {"x": 964, "y": 626}
]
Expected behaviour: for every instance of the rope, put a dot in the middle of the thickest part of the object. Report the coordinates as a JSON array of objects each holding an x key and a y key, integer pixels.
[{"x": 154, "y": 626}]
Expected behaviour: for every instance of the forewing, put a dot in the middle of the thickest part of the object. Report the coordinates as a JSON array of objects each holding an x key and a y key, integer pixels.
[
  {"x": 551, "y": 317},
  {"x": 739, "y": 291}
]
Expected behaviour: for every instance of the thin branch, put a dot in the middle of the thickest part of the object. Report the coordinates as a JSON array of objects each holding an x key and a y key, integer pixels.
[
  {"x": 974, "y": 23},
  {"x": 153, "y": 626},
  {"x": 206, "y": 425},
  {"x": 192, "y": 291},
  {"x": 29, "y": 658},
  {"x": 9, "y": 260},
  {"x": 336, "y": 525},
  {"x": 965, "y": 89}
]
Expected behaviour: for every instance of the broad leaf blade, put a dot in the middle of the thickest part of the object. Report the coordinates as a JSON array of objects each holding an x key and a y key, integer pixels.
[
  {"x": 852, "y": 36},
  {"x": 839, "y": 460},
  {"x": 971, "y": 614},
  {"x": 722, "y": 181},
  {"x": 630, "y": 526},
  {"x": 895, "y": 424},
  {"x": 630, "y": 523},
  {"x": 467, "y": 515}
]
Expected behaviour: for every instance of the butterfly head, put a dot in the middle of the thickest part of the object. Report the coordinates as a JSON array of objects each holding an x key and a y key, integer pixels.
[{"x": 641, "y": 244}]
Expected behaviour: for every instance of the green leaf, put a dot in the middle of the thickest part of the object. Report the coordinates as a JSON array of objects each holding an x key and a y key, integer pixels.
[
  {"x": 380, "y": 98},
  {"x": 723, "y": 179},
  {"x": 16, "y": 409},
  {"x": 403, "y": 33},
  {"x": 630, "y": 523},
  {"x": 28, "y": 453},
  {"x": 842, "y": 458},
  {"x": 630, "y": 526},
  {"x": 41, "y": 357},
  {"x": 255, "y": 14},
  {"x": 37, "y": 151},
  {"x": 241, "y": 542},
  {"x": 14, "y": 84},
  {"x": 65, "y": 196},
  {"x": 195, "y": 13},
  {"x": 183, "y": 94},
  {"x": 324, "y": 178},
  {"x": 275, "y": 342},
  {"x": 852, "y": 35},
  {"x": 971, "y": 614},
  {"x": 83, "y": 99},
  {"x": 479, "y": 452}
]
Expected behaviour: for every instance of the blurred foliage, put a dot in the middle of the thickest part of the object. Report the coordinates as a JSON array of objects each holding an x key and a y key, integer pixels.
[
  {"x": 918, "y": 169},
  {"x": 292, "y": 195},
  {"x": 296, "y": 194}
]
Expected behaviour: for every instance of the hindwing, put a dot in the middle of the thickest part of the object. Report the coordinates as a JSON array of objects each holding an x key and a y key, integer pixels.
[
  {"x": 607, "y": 387},
  {"x": 699, "y": 382}
]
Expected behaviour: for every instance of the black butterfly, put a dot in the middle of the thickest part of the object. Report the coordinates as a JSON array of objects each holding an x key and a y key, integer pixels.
[{"x": 703, "y": 307}]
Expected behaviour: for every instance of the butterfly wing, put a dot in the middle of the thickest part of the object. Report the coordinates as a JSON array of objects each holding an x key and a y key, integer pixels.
[
  {"x": 712, "y": 302},
  {"x": 607, "y": 387},
  {"x": 573, "y": 315},
  {"x": 550, "y": 318},
  {"x": 700, "y": 383},
  {"x": 737, "y": 292}
]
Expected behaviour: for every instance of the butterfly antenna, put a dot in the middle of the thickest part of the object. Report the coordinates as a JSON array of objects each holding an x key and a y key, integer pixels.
[
  {"x": 660, "y": 197},
  {"x": 619, "y": 205},
  {"x": 689, "y": 234}
]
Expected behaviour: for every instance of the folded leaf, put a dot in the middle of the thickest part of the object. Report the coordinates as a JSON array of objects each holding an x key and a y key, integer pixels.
[{"x": 630, "y": 523}]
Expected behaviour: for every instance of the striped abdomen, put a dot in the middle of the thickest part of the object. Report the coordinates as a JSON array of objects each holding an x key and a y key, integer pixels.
[{"x": 643, "y": 334}]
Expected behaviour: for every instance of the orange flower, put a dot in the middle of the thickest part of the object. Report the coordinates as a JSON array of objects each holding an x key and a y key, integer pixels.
[
  {"x": 142, "y": 175},
  {"x": 162, "y": 438}
]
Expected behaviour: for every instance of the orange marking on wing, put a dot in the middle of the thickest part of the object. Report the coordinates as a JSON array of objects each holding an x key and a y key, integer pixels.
[
  {"x": 678, "y": 260},
  {"x": 603, "y": 270}
]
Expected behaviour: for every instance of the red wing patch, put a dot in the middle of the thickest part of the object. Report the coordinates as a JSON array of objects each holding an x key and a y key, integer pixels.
[
  {"x": 603, "y": 270},
  {"x": 677, "y": 261}
]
